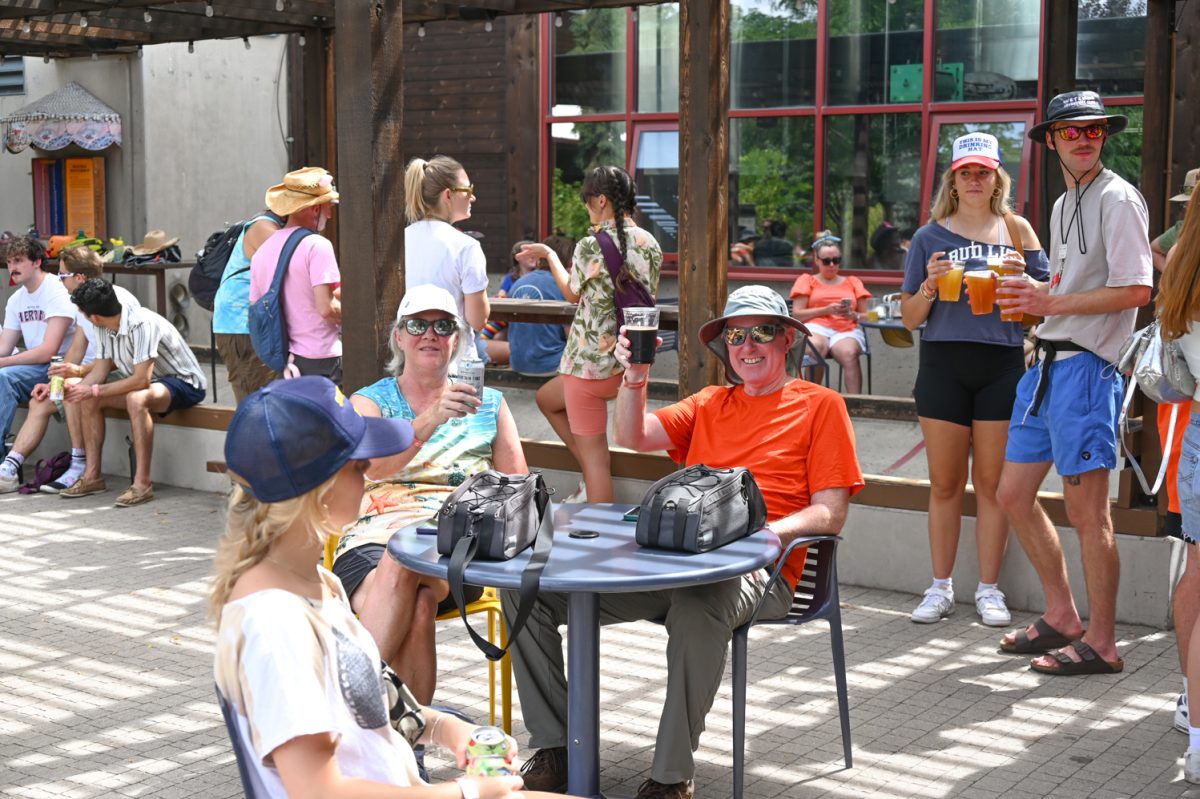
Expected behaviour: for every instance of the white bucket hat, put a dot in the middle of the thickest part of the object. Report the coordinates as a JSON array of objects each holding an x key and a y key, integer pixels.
[{"x": 746, "y": 301}]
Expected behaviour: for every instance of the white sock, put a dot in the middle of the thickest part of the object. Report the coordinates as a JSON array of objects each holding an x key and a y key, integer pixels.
[
  {"x": 75, "y": 470},
  {"x": 944, "y": 585},
  {"x": 11, "y": 465},
  {"x": 987, "y": 587},
  {"x": 1193, "y": 739}
]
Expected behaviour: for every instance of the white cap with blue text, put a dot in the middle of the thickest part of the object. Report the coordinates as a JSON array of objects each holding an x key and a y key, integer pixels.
[{"x": 976, "y": 148}]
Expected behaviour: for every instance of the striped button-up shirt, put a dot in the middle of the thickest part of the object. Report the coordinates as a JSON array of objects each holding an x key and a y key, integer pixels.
[{"x": 143, "y": 336}]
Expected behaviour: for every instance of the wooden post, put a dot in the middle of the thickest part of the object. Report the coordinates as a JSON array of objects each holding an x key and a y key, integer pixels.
[
  {"x": 703, "y": 183},
  {"x": 521, "y": 106},
  {"x": 1061, "y": 22},
  {"x": 1185, "y": 151},
  {"x": 369, "y": 84},
  {"x": 307, "y": 98}
]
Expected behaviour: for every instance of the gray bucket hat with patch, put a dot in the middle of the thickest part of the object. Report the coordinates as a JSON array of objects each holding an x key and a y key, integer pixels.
[{"x": 746, "y": 301}]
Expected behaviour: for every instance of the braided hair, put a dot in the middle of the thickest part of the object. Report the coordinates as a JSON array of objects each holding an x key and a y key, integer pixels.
[{"x": 615, "y": 184}]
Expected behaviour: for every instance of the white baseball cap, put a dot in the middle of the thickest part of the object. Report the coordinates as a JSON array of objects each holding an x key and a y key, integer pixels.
[{"x": 976, "y": 148}]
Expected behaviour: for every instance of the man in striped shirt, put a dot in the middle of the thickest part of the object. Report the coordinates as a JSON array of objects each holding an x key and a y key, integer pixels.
[{"x": 163, "y": 376}]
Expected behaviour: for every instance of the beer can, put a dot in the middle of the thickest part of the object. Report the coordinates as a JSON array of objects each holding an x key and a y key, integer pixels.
[
  {"x": 487, "y": 753},
  {"x": 57, "y": 383},
  {"x": 471, "y": 373}
]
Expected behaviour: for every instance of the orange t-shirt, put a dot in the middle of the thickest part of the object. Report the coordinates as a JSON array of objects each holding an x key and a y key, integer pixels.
[
  {"x": 821, "y": 294},
  {"x": 1181, "y": 423},
  {"x": 795, "y": 441}
]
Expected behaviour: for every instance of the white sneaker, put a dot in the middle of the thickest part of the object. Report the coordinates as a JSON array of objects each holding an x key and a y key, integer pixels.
[
  {"x": 1191, "y": 766},
  {"x": 1181, "y": 714},
  {"x": 936, "y": 605},
  {"x": 578, "y": 495},
  {"x": 9, "y": 484},
  {"x": 989, "y": 604}
]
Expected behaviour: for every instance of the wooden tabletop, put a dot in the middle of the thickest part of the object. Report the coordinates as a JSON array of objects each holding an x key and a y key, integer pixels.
[{"x": 552, "y": 311}]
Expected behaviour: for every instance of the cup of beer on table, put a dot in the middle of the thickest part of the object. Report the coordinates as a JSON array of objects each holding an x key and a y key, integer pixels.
[
  {"x": 981, "y": 285},
  {"x": 950, "y": 283},
  {"x": 641, "y": 328}
]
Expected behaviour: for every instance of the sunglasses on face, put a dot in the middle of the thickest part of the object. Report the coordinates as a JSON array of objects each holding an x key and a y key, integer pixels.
[
  {"x": 468, "y": 190},
  {"x": 837, "y": 259},
  {"x": 442, "y": 327},
  {"x": 65, "y": 275},
  {"x": 1073, "y": 132},
  {"x": 762, "y": 334}
]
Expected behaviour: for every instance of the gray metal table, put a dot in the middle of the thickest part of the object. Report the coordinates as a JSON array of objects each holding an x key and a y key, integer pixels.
[{"x": 584, "y": 569}]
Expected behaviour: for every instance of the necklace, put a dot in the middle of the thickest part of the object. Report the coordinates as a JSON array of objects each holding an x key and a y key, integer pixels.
[{"x": 308, "y": 578}]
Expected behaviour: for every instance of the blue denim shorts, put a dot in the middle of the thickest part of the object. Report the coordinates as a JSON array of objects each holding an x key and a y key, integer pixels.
[
  {"x": 1076, "y": 426},
  {"x": 1188, "y": 481}
]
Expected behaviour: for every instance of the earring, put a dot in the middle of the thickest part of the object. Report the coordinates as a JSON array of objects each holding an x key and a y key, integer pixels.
[
  {"x": 954, "y": 194},
  {"x": 996, "y": 192}
]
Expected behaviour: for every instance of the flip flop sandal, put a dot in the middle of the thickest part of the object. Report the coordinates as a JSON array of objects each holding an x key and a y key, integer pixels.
[
  {"x": 1091, "y": 663},
  {"x": 1048, "y": 640}
]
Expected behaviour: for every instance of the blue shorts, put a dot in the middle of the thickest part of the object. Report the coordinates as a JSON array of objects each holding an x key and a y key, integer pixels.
[
  {"x": 183, "y": 394},
  {"x": 1077, "y": 424},
  {"x": 1188, "y": 481}
]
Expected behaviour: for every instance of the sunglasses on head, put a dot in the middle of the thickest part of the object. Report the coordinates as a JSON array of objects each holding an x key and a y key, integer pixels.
[
  {"x": 442, "y": 327},
  {"x": 837, "y": 259},
  {"x": 1073, "y": 132},
  {"x": 762, "y": 334}
]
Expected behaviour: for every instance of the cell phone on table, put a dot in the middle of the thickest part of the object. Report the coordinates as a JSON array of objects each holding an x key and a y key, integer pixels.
[
  {"x": 632, "y": 515},
  {"x": 423, "y": 530}
]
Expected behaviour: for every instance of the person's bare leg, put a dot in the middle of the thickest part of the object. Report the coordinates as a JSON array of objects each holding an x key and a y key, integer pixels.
[
  {"x": 1017, "y": 495},
  {"x": 37, "y": 419},
  {"x": 593, "y": 455},
  {"x": 1186, "y": 606},
  {"x": 139, "y": 405},
  {"x": 988, "y": 440},
  {"x": 1192, "y": 670},
  {"x": 553, "y": 405},
  {"x": 846, "y": 353},
  {"x": 821, "y": 345},
  {"x": 946, "y": 449},
  {"x": 417, "y": 662},
  {"x": 89, "y": 417}
]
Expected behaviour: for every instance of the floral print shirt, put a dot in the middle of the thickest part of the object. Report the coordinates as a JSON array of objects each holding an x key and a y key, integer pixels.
[{"x": 593, "y": 335}]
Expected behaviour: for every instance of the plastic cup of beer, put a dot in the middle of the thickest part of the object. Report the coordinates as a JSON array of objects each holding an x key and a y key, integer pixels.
[
  {"x": 641, "y": 328},
  {"x": 981, "y": 284},
  {"x": 950, "y": 283},
  {"x": 1010, "y": 272}
]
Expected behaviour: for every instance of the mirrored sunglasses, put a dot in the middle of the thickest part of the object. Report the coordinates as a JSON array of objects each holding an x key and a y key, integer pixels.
[
  {"x": 837, "y": 259},
  {"x": 467, "y": 190},
  {"x": 1073, "y": 132},
  {"x": 442, "y": 327},
  {"x": 762, "y": 334}
]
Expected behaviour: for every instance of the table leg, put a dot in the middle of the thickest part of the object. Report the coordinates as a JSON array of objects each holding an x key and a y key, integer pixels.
[
  {"x": 160, "y": 292},
  {"x": 583, "y": 694}
]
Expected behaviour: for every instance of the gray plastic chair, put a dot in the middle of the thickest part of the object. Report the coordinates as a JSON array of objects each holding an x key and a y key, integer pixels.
[{"x": 816, "y": 597}]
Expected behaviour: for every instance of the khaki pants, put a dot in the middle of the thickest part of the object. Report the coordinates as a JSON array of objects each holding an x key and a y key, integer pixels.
[{"x": 247, "y": 373}]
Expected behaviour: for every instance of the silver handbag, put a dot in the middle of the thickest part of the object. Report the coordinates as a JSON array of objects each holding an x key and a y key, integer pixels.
[{"x": 1158, "y": 366}]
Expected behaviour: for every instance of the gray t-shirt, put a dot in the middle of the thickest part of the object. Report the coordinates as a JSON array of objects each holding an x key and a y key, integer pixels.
[{"x": 1114, "y": 252}]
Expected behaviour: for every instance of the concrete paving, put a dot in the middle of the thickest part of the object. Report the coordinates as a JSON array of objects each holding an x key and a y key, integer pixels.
[{"x": 106, "y": 684}]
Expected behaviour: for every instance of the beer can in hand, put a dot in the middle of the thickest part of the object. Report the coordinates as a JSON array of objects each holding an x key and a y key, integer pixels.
[
  {"x": 471, "y": 373},
  {"x": 487, "y": 753},
  {"x": 57, "y": 382}
]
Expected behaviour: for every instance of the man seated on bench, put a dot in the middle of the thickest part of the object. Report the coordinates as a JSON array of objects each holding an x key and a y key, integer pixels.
[
  {"x": 75, "y": 265},
  {"x": 163, "y": 376}
]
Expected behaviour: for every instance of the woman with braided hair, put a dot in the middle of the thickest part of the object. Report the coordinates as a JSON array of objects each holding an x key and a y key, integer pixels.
[{"x": 576, "y": 401}]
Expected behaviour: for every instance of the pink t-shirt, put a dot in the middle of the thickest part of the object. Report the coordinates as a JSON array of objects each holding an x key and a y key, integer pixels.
[{"x": 313, "y": 264}]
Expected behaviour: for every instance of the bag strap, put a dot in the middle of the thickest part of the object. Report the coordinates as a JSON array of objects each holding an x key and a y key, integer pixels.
[
  {"x": 464, "y": 552},
  {"x": 1014, "y": 234},
  {"x": 285, "y": 259},
  {"x": 246, "y": 226},
  {"x": 1123, "y": 431},
  {"x": 612, "y": 256}
]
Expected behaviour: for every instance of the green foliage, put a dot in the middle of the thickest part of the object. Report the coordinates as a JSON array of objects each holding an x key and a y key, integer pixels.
[
  {"x": 600, "y": 30},
  {"x": 566, "y": 211},
  {"x": 793, "y": 19},
  {"x": 777, "y": 188},
  {"x": 1123, "y": 152}
]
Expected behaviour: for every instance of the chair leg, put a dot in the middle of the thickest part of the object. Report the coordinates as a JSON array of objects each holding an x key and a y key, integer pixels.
[
  {"x": 506, "y": 681},
  {"x": 739, "y": 709},
  {"x": 839, "y": 676},
  {"x": 491, "y": 635},
  {"x": 869, "y": 390}
]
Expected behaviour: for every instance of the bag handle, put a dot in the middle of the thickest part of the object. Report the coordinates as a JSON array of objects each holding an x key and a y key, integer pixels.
[
  {"x": 1123, "y": 430},
  {"x": 531, "y": 577}
]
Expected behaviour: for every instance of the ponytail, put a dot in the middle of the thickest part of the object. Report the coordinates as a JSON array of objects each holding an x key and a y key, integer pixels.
[{"x": 424, "y": 181}]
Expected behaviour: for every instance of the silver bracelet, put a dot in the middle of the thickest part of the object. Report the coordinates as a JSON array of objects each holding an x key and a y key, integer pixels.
[{"x": 433, "y": 729}]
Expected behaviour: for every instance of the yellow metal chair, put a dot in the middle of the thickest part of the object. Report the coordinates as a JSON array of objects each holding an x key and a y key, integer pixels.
[{"x": 489, "y": 603}]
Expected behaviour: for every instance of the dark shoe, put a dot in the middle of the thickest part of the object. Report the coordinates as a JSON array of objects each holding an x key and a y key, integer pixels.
[
  {"x": 656, "y": 790},
  {"x": 1048, "y": 639},
  {"x": 546, "y": 770},
  {"x": 1090, "y": 662}
]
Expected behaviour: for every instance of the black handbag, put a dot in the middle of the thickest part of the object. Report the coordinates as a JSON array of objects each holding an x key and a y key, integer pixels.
[
  {"x": 495, "y": 516},
  {"x": 700, "y": 508}
]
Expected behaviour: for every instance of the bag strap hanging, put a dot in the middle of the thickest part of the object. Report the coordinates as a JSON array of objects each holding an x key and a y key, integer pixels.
[
  {"x": 464, "y": 552},
  {"x": 632, "y": 294}
]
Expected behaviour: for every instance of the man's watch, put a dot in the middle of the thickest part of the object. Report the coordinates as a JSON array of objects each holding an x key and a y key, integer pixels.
[{"x": 469, "y": 788}]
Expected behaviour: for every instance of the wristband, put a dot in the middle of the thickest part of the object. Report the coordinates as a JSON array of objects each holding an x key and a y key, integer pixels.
[
  {"x": 468, "y": 787},
  {"x": 931, "y": 295},
  {"x": 95, "y": 389}
]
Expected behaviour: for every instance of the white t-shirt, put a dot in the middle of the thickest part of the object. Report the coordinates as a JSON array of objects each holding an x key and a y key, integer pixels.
[
  {"x": 438, "y": 253},
  {"x": 28, "y": 312},
  {"x": 89, "y": 330},
  {"x": 300, "y": 667}
]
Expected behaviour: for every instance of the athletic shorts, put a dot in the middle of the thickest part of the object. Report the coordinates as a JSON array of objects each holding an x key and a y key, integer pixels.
[
  {"x": 323, "y": 367},
  {"x": 353, "y": 566},
  {"x": 1077, "y": 424},
  {"x": 183, "y": 394},
  {"x": 587, "y": 403},
  {"x": 1189, "y": 481},
  {"x": 834, "y": 336},
  {"x": 965, "y": 381}
]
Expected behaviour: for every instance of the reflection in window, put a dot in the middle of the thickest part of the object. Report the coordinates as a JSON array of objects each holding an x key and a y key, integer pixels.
[
  {"x": 656, "y": 173},
  {"x": 589, "y": 62},
  {"x": 774, "y": 53},
  {"x": 578, "y": 148},
  {"x": 872, "y": 176},
  {"x": 988, "y": 51},
  {"x": 1010, "y": 134},
  {"x": 875, "y": 53},
  {"x": 658, "y": 58},
  {"x": 1123, "y": 152},
  {"x": 1111, "y": 48},
  {"x": 771, "y": 180}
]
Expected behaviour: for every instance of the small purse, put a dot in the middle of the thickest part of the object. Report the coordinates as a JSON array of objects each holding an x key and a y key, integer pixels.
[
  {"x": 405, "y": 713},
  {"x": 628, "y": 293},
  {"x": 700, "y": 508}
]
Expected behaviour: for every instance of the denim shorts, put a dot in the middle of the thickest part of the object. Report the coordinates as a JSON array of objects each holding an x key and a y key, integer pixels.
[
  {"x": 1076, "y": 426},
  {"x": 1188, "y": 482}
]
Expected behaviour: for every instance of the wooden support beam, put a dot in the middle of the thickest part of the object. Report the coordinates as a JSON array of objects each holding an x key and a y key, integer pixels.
[
  {"x": 521, "y": 105},
  {"x": 308, "y": 100},
  {"x": 1156, "y": 115},
  {"x": 703, "y": 183},
  {"x": 1185, "y": 150},
  {"x": 369, "y": 81},
  {"x": 1058, "y": 57}
]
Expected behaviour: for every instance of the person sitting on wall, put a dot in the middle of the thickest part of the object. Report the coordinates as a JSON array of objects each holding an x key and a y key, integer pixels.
[{"x": 163, "y": 376}]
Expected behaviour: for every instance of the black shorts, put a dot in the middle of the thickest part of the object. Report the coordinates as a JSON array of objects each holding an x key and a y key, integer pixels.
[
  {"x": 964, "y": 381},
  {"x": 1173, "y": 525},
  {"x": 353, "y": 566}
]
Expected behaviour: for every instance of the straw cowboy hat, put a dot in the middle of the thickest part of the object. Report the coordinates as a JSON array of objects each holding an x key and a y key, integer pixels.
[
  {"x": 305, "y": 187},
  {"x": 154, "y": 242},
  {"x": 1189, "y": 185}
]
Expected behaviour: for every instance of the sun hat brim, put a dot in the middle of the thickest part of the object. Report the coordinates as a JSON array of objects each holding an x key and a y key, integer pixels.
[
  {"x": 710, "y": 335},
  {"x": 980, "y": 160},
  {"x": 1116, "y": 124}
]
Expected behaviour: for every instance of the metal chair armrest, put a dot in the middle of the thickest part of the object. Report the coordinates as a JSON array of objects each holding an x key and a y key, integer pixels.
[{"x": 777, "y": 572}]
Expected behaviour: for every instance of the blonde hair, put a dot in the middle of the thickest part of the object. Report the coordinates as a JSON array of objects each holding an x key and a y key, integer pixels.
[
  {"x": 424, "y": 181},
  {"x": 395, "y": 366},
  {"x": 81, "y": 260},
  {"x": 250, "y": 529},
  {"x": 946, "y": 204},
  {"x": 1178, "y": 302}
]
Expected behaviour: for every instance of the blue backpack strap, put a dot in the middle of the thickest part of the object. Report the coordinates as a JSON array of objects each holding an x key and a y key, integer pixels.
[{"x": 285, "y": 259}]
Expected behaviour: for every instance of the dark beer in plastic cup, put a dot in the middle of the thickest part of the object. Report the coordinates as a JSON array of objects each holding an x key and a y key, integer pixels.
[{"x": 641, "y": 328}]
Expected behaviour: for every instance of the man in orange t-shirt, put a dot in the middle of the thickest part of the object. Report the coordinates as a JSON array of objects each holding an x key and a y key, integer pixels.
[{"x": 797, "y": 441}]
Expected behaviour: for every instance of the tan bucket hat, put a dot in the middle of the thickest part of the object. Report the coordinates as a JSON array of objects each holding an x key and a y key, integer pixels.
[
  {"x": 1189, "y": 186},
  {"x": 746, "y": 301},
  {"x": 305, "y": 187},
  {"x": 155, "y": 241}
]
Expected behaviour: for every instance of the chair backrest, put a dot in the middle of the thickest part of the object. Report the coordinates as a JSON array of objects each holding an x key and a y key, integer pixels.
[
  {"x": 816, "y": 593},
  {"x": 239, "y": 749}
]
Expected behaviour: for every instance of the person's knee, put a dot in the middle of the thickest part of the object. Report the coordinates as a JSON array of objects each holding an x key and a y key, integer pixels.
[
  {"x": 1014, "y": 496},
  {"x": 1089, "y": 518},
  {"x": 41, "y": 408},
  {"x": 137, "y": 401}
]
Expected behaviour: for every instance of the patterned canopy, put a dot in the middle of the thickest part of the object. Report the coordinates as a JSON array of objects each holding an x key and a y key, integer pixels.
[{"x": 71, "y": 115}]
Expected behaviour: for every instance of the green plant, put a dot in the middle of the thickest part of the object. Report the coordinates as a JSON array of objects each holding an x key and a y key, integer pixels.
[{"x": 566, "y": 211}]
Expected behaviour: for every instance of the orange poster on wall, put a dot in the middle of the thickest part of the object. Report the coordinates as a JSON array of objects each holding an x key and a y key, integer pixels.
[{"x": 85, "y": 206}]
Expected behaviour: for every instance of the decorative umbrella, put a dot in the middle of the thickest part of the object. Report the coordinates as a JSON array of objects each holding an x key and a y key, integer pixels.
[{"x": 71, "y": 115}]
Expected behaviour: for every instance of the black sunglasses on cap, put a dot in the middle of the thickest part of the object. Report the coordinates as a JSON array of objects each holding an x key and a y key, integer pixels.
[
  {"x": 762, "y": 334},
  {"x": 442, "y": 327}
]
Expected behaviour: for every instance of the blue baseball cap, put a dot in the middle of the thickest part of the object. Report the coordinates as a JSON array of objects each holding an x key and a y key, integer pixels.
[{"x": 293, "y": 435}]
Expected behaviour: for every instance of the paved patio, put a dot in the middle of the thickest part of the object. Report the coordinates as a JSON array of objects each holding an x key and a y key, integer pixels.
[{"x": 105, "y": 670}]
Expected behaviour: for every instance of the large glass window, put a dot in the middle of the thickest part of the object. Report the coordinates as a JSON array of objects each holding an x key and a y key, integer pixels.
[
  {"x": 771, "y": 183},
  {"x": 774, "y": 53},
  {"x": 875, "y": 53},
  {"x": 1111, "y": 51},
  {"x": 1123, "y": 152},
  {"x": 872, "y": 176},
  {"x": 577, "y": 148},
  {"x": 987, "y": 50},
  {"x": 658, "y": 58},
  {"x": 589, "y": 63},
  {"x": 656, "y": 173}
]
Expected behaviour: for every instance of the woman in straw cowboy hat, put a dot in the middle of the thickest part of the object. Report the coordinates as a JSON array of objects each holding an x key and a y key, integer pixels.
[{"x": 312, "y": 303}]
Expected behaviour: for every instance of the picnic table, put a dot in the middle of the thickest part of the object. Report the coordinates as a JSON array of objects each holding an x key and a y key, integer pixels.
[{"x": 511, "y": 310}]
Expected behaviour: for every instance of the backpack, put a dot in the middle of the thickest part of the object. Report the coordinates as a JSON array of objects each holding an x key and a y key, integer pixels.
[
  {"x": 209, "y": 272},
  {"x": 268, "y": 327},
  {"x": 47, "y": 471}
]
